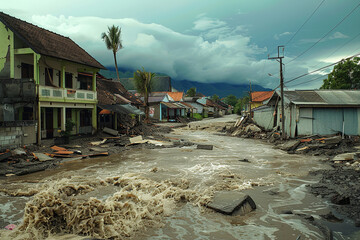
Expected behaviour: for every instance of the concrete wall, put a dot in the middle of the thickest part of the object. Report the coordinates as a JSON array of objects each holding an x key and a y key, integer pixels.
[
  {"x": 13, "y": 137},
  {"x": 265, "y": 118}
]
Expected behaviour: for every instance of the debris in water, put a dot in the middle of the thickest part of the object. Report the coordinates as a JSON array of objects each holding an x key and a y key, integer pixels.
[
  {"x": 205, "y": 147},
  {"x": 230, "y": 202}
]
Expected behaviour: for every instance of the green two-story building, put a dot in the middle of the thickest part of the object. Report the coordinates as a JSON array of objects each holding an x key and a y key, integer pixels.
[{"x": 62, "y": 73}]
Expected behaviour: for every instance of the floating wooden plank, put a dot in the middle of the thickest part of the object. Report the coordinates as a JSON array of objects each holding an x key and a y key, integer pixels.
[
  {"x": 56, "y": 148},
  {"x": 64, "y": 152},
  {"x": 205, "y": 147},
  {"x": 99, "y": 154}
]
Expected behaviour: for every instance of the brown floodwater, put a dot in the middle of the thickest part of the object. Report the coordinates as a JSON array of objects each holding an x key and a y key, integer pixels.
[{"x": 161, "y": 193}]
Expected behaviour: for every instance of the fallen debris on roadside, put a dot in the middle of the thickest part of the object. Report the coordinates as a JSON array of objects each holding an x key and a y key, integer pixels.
[{"x": 313, "y": 145}]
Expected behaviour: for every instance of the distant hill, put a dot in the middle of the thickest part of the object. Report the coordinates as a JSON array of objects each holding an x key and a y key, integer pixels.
[
  {"x": 220, "y": 89},
  {"x": 208, "y": 89}
]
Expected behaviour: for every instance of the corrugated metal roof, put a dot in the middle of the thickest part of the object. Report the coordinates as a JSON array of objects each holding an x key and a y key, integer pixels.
[
  {"x": 340, "y": 97},
  {"x": 172, "y": 105},
  {"x": 187, "y": 105},
  {"x": 322, "y": 97}
]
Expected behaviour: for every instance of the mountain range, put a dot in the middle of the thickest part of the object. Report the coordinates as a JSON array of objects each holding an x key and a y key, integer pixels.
[{"x": 208, "y": 89}]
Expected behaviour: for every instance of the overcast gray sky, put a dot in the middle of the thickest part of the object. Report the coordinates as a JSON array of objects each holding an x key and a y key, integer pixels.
[{"x": 206, "y": 40}]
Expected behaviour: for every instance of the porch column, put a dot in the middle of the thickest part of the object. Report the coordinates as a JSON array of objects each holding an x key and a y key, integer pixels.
[
  {"x": 160, "y": 113},
  {"x": 93, "y": 119},
  {"x": 36, "y": 68},
  {"x": 94, "y": 81},
  {"x": 12, "y": 55},
  {"x": 62, "y": 79},
  {"x": 38, "y": 123},
  {"x": 63, "y": 118}
]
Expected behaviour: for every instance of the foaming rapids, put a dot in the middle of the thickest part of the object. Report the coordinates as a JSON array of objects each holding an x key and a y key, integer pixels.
[{"x": 136, "y": 203}]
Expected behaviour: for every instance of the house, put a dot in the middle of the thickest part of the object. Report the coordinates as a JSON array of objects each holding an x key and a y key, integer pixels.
[
  {"x": 168, "y": 106},
  {"x": 213, "y": 108},
  {"x": 64, "y": 76},
  {"x": 228, "y": 108},
  {"x": 115, "y": 104},
  {"x": 258, "y": 97},
  {"x": 199, "y": 109},
  {"x": 310, "y": 112}
]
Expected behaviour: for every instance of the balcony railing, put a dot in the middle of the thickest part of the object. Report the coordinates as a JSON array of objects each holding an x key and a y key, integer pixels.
[{"x": 61, "y": 93}]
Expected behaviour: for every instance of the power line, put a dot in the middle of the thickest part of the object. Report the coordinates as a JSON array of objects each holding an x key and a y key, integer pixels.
[
  {"x": 349, "y": 41},
  {"x": 325, "y": 34},
  {"x": 332, "y": 64},
  {"x": 304, "y": 23},
  {"x": 322, "y": 76}
]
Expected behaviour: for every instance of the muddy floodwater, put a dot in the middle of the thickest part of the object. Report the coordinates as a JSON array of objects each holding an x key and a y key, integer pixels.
[{"x": 161, "y": 194}]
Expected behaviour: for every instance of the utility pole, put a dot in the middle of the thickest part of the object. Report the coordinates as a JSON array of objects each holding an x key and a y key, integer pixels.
[
  {"x": 250, "y": 100},
  {"x": 279, "y": 59}
]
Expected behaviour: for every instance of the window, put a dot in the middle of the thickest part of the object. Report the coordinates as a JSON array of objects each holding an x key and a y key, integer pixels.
[
  {"x": 49, "y": 77},
  {"x": 27, "y": 70},
  {"x": 85, "y": 80},
  {"x": 68, "y": 80}
]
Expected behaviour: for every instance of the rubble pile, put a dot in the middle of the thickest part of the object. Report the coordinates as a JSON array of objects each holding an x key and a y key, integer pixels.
[
  {"x": 340, "y": 186},
  {"x": 34, "y": 158},
  {"x": 245, "y": 127},
  {"x": 313, "y": 145}
]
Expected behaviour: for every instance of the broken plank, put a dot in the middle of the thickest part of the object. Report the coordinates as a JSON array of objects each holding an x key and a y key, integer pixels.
[
  {"x": 99, "y": 154},
  {"x": 56, "y": 148},
  {"x": 64, "y": 152}
]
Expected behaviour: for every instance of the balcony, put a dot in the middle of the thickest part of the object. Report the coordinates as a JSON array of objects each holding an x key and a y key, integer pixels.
[{"x": 61, "y": 94}]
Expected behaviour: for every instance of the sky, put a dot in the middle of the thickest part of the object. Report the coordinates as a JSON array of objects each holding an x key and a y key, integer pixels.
[{"x": 209, "y": 40}]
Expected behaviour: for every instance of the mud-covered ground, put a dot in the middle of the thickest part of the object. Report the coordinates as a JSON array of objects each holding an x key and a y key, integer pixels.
[
  {"x": 341, "y": 186},
  {"x": 24, "y": 161},
  {"x": 162, "y": 193}
]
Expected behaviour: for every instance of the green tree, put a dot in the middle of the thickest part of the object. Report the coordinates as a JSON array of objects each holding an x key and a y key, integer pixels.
[
  {"x": 112, "y": 40},
  {"x": 215, "y": 98},
  {"x": 240, "y": 105},
  {"x": 231, "y": 100},
  {"x": 345, "y": 75},
  {"x": 191, "y": 92},
  {"x": 143, "y": 83}
]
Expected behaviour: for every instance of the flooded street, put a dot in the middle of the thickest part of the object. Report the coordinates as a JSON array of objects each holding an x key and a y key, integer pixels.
[{"x": 161, "y": 193}]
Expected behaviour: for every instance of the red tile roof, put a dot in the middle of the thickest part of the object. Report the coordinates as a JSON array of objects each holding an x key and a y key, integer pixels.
[
  {"x": 177, "y": 96},
  {"x": 261, "y": 96},
  {"x": 48, "y": 43}
]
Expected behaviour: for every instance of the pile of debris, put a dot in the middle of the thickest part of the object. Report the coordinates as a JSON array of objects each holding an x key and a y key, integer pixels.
[
  {"x": 314, "y": 145},
  {"x": 246, "y": 128}
]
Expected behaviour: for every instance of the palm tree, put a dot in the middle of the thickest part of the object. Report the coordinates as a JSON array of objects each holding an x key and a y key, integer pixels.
[
  {"x": 142, "y": 80},
  {"x": 113, "y": 42}
]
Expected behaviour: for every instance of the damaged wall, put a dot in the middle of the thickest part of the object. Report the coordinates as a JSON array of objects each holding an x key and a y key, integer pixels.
[
  {"x": 5, "y": 44},
  {"x": 265, "y": 118},
  {"x": 14, "y": 135}
]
